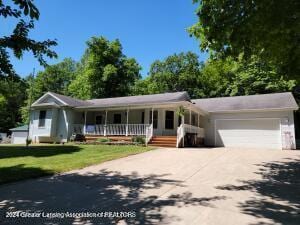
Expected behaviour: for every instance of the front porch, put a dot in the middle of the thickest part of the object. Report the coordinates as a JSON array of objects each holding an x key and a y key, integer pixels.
[{"x": 147, "y": 122}]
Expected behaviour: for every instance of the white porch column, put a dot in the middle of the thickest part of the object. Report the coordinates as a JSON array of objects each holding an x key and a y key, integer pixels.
[
  {"x": 182, "y": 122},
  {"x": 84, "y": 127},
  {"x": 190, "y": 116},
  {"x": 105, "y": 123},
  {"x": 152, "y": 115},
  {"x": 127, "y": 114},
  {"x": 198, "y": 120}
]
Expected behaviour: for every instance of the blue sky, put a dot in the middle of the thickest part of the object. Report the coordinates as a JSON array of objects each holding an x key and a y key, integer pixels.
[{"x": 148, "y": 30}]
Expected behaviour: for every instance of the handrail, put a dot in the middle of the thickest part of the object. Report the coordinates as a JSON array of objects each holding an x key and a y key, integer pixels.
[
  {"x": 149, "y": 134},
  {"x": 187, "y": 128},
  {"x": 180, "y": 135}
]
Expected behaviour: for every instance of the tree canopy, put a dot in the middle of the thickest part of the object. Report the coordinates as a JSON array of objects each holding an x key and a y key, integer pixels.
[
  {"x": 104, "y": 71},
  {"x": 215, "y": 78},
  {"x": 178, "y": 72},
  {"x": 55, "y": 78},
  {"x": 11, "y": 99},
  {"x": 268, "y": 29},
  {"x": 25, "y": 13}
]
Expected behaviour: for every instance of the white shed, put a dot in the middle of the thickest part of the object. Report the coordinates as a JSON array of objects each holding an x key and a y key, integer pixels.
[{"x": 19, "y": 135}]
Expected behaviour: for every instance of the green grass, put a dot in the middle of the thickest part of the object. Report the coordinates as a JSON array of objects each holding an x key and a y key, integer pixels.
[{"x": 18, "y": 162}]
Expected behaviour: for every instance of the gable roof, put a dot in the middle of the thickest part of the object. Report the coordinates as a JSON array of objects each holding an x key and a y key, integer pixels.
[
  {"x": 21, "y": 128},
  {"x": 251, "y": 102},
  {"x": 140, "y": 99},
  {"x": 63, "y": 99},
  {"x": 73, "y": 102}
]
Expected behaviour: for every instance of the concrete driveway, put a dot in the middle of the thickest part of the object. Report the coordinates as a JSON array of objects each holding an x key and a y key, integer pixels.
[{"x": 167, "y": 186}]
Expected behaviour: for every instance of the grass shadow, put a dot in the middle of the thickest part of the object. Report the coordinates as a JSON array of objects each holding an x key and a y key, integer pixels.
[
  {"x": 21, "y": 172},
  {"x": 7, "y": 151}
]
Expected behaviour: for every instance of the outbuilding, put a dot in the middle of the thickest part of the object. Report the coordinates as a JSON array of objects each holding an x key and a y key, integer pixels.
[{"x": 19, "y": 134}]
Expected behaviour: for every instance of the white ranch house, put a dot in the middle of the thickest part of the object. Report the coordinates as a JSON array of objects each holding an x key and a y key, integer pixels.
[{"x": 260, "y": 121}]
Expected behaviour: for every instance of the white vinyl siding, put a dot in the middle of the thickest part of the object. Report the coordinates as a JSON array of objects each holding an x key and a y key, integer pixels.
[
  {"x": 257, "y": 133},
  {"x": 18, "y": 137}
]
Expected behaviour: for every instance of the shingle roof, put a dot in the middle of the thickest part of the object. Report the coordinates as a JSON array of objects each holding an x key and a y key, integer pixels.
[
  {"x": 21, "y": 128},
  {"x": 73, "y": 102},
  {"x": 250, "y": 102},
  {"x": 140, "y": 99}
]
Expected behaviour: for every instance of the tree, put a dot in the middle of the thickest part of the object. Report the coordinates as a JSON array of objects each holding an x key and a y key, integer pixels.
[
  {"x": 268, "y": 29},
  {"x": 11, "y": 99},
  {"x": 104, "y": 71},
  {"x": 55, "y": 78},
  {"x": 18, "y": 41},
  {"x": 178, "y": 72},
  {"x": 227, "y": 77}
]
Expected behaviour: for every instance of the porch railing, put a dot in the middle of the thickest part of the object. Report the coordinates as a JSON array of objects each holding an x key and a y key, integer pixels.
[
  {"x": 111, "y": 129},
  {"x": 149, "y": 133},
  {"x": 187, "y": 128}
]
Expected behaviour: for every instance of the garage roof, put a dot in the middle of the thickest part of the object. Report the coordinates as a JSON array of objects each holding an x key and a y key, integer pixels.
[
  {"x": 21, "y": 128},
  {"x": 251, "y": 102}
]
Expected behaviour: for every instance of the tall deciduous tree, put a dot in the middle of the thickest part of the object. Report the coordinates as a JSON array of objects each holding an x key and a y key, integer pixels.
[
  {"x": 104, "y": 71},
  {"x": 25, "y": 12},
  {"x": 55, "y": 78},
  {"x": 178, "y": 72},
  {"x": 218, "y": 77},
  {"x": 11, "y": 99},
  {"x": 268, "y": 29},
  {"x": 228, "y": 77}
]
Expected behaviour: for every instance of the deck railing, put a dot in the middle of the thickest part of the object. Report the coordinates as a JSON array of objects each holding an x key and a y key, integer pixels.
[
  {"x": 111, "y": 129},
  {"x": 149, "y": 133},
  {"x": 183, "y": 129}
]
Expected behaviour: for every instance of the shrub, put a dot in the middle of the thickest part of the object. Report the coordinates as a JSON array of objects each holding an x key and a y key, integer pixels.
[
  {"x": 138, "y": 139},
  {"x": 28, "y": 141},
  {"x": 103, "y": 140}
]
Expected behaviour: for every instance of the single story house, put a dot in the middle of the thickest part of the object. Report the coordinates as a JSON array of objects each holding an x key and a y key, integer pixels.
[
  {"x": 19, "y": 134},
  {"x": 170, "y": 119}
]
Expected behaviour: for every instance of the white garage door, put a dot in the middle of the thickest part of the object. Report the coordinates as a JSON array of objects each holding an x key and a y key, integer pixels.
[
  {"x": 19, "y": 137},
  {"x": 259, "y": 133}
]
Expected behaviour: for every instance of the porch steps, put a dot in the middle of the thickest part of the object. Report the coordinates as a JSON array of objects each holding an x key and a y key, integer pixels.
[{"x": 163, "y": 141}]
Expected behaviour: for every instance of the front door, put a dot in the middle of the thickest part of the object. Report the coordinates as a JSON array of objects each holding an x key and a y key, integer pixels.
[{"x": 169, "y": 120}]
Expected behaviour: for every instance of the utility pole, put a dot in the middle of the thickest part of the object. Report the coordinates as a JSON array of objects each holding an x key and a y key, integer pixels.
[{"x": 30, "y": 93}]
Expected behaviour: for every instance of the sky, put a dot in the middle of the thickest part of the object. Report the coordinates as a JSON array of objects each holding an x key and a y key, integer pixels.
[{"x": 147, "y": 30}]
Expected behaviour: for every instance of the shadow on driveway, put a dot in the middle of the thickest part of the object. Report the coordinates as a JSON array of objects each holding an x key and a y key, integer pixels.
[
  {"x": 101, "y": 192},
  {"x": 279, "y": 189}
]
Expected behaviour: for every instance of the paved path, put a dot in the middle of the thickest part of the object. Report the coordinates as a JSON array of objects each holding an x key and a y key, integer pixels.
[{"x": 169, "y": 186}]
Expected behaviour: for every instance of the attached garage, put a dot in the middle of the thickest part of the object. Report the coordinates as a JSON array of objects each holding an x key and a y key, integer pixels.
[
  {"x": 248, "y": 133},
  {"x": 19, "y": 135},
  {"x": 254, "y": 121}
]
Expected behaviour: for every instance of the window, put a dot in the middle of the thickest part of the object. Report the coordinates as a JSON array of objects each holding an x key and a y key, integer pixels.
[
  {"x": 117, "y": 118},
  {"x": 99, "y": 119},
  {"x": 155, "y": 118},
  {"x": 42, "y": 118},
  {"x": 193, "y": 119},
  {"x": 169, "y": 121},
  {"x": 143, "y": 118}
]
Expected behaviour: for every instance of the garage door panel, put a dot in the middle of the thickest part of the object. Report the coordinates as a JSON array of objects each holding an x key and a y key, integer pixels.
[{"x": 264, "y": 133}]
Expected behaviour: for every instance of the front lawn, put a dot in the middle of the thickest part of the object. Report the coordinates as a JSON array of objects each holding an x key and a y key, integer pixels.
[{"x": 18, "y": 162}]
